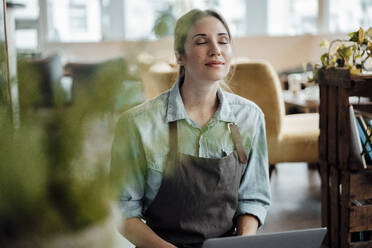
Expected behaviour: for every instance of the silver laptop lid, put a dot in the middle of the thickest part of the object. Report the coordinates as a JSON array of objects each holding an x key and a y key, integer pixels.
[{"x": 306, "y": 238}]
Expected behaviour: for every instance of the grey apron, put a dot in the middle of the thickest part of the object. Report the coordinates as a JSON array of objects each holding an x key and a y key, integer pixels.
[{"x": 198, "y": 197}]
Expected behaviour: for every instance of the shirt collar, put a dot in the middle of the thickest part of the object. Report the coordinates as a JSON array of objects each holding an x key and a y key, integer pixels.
[
  {"x": 224, "y": 112},
  {"x": 176, "y": 109}
]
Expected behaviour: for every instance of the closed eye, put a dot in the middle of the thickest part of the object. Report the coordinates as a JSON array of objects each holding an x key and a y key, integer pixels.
[
  {"x": 201, "y": 41},
  {"x": 205, "y": 42},
  {"x": 224, "y": 40}
]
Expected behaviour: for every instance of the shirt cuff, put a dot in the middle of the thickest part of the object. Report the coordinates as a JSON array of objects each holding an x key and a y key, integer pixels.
[
  {"x": 130, "y": 209},
  {"x": 252, "y": 208}
]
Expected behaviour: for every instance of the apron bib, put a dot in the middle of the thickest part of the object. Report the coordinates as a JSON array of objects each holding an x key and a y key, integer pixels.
[{"x": 198, "y": 197}]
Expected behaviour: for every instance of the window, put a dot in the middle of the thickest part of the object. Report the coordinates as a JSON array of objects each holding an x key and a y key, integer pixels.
[
  {"x": 347, "y": 16},
  {"x": 292, "y": 17},
  {"x": 26, "y": 35},
  {"x": 234, "y": 11},
  {"x": 30, "y": 11},
  {"x": 26, "y": 39},
  {"x": 78, "y": 16},
  {"x": 96, "y": 20},
  {"x": 74, "y": 20},
  {"x": 140, "y": 26},
  {"x": 253, "y": 17}
]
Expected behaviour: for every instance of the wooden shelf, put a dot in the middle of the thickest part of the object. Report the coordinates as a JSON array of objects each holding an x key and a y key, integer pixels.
[
  {"x": 361, "y": 244},
  {"x": 361, "y": 77},
  {"x": 346, "y": 183}
]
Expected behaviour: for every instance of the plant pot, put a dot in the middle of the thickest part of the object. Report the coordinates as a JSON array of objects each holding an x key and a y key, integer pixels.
[{"x": 355, "y": 71}]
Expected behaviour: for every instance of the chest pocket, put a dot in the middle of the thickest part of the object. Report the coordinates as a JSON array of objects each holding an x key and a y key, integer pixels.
[{"x": 226, "y": 151}]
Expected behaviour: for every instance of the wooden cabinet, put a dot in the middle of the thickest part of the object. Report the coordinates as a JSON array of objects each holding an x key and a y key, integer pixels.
[{"x": 346, "y": 183}]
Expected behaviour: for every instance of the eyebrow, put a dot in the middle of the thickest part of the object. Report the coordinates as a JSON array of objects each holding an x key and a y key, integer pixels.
[{"x": 203, "y": 35}]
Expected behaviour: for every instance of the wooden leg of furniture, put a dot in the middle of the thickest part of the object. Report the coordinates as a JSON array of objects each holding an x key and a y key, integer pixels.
[
  {"x": 272, "y": 168},
  {"x": 334, "y": 207},
  {"x": 345, "y": 237}
]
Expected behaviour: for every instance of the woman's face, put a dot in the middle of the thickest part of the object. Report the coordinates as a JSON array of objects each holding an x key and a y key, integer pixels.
[{"x": 207, "y": 51}]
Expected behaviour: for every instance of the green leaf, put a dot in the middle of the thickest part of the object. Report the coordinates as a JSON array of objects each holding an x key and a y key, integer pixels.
[
  {"x": 369, "y": 33},
  {"x": 325, "y": 44},
  {"x": 354, "y": 36},
  {"x": 333, "y": 60},
  {"x": 360, "y": 35},
  {"x": 324, "y": 59},
  {"x": 345, "y": 52}
]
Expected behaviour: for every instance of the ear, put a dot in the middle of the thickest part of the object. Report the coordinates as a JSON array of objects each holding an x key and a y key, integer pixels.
[{"x": 180, "y": 59}]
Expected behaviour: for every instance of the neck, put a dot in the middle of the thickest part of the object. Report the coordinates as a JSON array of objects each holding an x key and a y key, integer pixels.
[
  {"x": 199, "y": 94},
  {"x": 200, "y": 100}
]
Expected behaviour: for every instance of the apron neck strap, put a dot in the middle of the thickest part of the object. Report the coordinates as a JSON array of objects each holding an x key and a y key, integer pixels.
[
  {"x": 237, "y": 138},
  {"x": 173, "y": 138}
]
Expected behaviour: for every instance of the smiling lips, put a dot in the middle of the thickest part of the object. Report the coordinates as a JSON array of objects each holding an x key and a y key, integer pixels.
[{"x": 215, "y": 63}]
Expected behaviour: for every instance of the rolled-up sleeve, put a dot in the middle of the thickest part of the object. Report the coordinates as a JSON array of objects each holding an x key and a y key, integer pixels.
[
  {"x": 254, "y": 190},
  {"x": 128, "y": 166}
]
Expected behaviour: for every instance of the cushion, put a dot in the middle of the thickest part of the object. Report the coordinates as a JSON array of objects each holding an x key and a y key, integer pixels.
[{"x": 298, "y": 141}]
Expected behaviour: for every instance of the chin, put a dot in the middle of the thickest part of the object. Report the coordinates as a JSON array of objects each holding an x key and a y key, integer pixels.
[{"x": 217, "y": 77}]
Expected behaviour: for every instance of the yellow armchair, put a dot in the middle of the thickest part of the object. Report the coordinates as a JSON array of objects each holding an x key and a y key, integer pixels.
[
  {"x": 163, "y": 76},
  {"x": 157, "y": 74},
  {"x": 290, "y": 138}
]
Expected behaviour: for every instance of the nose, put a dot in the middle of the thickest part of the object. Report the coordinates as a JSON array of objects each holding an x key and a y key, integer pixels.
[{"x": 214, "y": 49}]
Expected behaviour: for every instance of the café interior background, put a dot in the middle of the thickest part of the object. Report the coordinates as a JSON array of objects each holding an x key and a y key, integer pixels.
[{"x": 286, "y": 33}]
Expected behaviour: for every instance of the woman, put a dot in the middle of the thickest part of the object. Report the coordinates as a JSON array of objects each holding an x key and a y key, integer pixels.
[{"x": 195, "y": 157}]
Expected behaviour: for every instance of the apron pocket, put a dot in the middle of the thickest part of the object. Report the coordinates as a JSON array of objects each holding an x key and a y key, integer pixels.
[{"x": 231, "y": 173}]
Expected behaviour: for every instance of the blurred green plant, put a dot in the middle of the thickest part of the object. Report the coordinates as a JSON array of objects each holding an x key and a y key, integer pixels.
[
  {"x": 4, "y": 91},
  {"x": 165, "y": 22},
  {"x": 47, "y": 185},
  {"x": 350, "y": 53}
]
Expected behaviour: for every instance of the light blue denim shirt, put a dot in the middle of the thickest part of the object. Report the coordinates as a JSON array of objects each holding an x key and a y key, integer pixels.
[{"x": 141, "y": 147}]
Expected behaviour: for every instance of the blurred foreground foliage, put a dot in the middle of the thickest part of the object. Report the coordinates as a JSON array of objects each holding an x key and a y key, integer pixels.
[{"x": 47, "y": 186}]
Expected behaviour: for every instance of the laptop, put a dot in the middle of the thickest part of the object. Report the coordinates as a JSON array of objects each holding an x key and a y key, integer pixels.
[{"x": 305, "y": 238}]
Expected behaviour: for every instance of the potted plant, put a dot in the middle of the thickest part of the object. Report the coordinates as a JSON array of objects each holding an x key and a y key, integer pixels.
[{"x": 350, "y": 54}]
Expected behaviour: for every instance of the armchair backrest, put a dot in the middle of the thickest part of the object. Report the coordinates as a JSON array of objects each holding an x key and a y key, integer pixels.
[
  {"x": 154, "y": 70},
  {"x": 258, "y": 82},
  {"x": 144, "y": 62},
  {"x": 163, "y": 76}
]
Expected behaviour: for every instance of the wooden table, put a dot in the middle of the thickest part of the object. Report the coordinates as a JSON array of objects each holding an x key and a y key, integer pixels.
[{"x": 300, "y": 102}]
